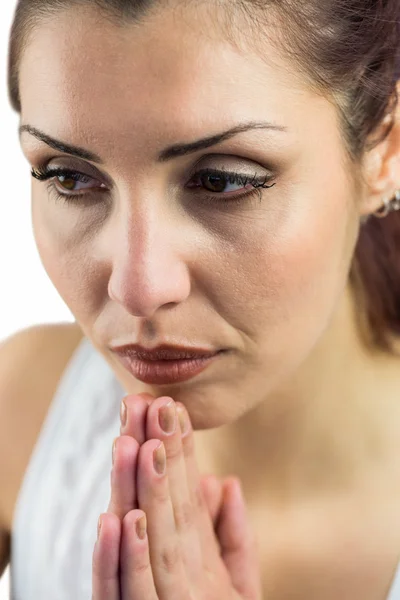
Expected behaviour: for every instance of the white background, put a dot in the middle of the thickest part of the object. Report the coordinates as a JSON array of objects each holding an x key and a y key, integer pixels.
[{"x": 27, "y": 295}]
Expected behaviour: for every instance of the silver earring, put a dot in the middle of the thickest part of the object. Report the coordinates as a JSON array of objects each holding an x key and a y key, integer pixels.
[{"x": 389, "y": 206}]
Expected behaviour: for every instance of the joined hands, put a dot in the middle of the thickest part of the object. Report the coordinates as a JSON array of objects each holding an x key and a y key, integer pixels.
[{"x": 170, "y": 533}]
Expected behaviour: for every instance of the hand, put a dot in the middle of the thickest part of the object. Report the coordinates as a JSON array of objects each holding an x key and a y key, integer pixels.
[
  {"x": 135, "y": 426},
  {"x": 181, "y": 557}
]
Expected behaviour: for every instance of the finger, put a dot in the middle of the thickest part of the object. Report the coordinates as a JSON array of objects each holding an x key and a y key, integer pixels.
[
  {"x": 239, "y": 549},
  {"x": 148, "y": 397},
  {"x": 123, "y": 476},
  {"x": 212, "y": 492},
  {"x": 208, "y": 540},
  {"x": 125, "y": 451},
  {"x": 133, "y": 415},
  {"x": 154, "y": 499},
  {"x": 105, "y": 563},
  {"x": 162, "y": 414},
  {"x": 136, "y": 575}
]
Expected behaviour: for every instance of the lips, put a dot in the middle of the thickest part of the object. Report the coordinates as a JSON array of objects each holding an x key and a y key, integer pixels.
[
  {"x": 163, "y": 352},
  {"x": 164, "y": 372}
]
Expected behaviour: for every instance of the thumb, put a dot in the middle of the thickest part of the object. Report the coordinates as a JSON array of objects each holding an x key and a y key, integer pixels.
[
  {"x": 239, "y": 549},
  {"x": 212, "y": 493}
]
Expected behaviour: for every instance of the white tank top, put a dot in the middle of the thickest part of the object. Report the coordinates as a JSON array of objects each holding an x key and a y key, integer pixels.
[{"x": 67, "y": 485}]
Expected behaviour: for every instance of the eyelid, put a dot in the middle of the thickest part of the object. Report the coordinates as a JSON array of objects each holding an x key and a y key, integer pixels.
[
  {"x": 85, "y": 169},
  {"x": 217, "y": 161},
  {"x": 227, "y": 162}
]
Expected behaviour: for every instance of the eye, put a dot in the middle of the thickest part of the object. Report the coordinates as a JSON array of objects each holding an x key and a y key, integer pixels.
[
  {"x": 69, "y": 180},
  {"x": 222, "y": 184}
]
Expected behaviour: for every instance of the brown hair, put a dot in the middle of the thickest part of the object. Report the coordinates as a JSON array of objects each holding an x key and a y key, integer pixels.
[{"x": 350, "y": 50}]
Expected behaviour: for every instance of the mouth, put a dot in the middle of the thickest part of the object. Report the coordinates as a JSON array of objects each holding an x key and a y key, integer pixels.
[{"x": 167, "y": 371}]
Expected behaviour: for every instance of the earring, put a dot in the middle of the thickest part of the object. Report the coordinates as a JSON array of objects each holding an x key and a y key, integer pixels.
[{"x": 389, "y": 206}]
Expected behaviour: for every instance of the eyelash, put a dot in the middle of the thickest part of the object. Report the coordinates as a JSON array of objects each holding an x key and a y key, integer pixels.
[{"x": 45, "y": 174}]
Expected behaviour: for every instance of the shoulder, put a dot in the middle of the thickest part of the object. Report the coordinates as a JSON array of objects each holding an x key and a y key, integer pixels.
[
  {"x": 35, "y": 343},
  {"x": 32, "y": 362}
]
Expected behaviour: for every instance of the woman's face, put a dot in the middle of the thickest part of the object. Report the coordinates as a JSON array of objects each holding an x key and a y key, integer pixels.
[{"x": 149, "y": 252}]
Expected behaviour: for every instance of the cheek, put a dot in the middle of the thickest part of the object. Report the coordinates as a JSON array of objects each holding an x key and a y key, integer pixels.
[
  {"x": 282, "y": 281},
  {"x": 65, "y": 257}
]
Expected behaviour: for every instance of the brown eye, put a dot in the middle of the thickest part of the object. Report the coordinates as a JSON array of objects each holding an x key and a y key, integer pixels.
[
  {"x": 223, "y": 184},
  {"x": 219, "y": 182},
  {"x": 214, "y": 183},
  {"x": 60, "y": 179},
  {"x": 69, "y": 182}
]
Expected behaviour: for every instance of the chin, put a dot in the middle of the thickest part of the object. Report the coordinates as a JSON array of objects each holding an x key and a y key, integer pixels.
[
  {"x": 210, "y": 404},
  {"x": 211, "y": 407}
]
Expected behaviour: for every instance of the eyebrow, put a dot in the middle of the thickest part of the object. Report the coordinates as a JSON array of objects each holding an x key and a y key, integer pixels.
[{"x": 165, "y": 155}]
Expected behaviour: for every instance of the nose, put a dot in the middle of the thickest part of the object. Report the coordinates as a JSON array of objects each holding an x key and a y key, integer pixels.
[{"x": 149, "y": 268}]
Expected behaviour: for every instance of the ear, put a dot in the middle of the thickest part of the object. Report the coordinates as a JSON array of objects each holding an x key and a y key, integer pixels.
[{"x": 381, "y": 167}]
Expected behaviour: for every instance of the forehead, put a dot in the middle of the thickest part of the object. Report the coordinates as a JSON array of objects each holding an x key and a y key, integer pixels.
[{"x": 174, "y": 71}]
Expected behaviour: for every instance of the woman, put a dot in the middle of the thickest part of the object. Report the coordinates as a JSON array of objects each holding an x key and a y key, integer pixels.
[{"x": 222, "y": 177}]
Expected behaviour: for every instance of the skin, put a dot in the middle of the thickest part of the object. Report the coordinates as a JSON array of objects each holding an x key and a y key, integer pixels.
[
  {"x": 292, "y": 410},
  {"x": 206, "y": 549}
]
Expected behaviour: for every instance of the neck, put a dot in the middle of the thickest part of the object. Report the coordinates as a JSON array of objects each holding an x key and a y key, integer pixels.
[{"x": 339, "y": 424}]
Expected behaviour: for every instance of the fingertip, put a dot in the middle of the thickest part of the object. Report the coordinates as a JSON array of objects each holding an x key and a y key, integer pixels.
[
  {"x": 109, "y": 522},
  {"x": 110, "y": 527},
  {"x": 234, "y": 513},
  {"x": 215, "y": 485},
  {"x": 184, "y": 419},
  {"x": 212, "y": 492},
  {"x": 106, "y": 550},
  {"x": 136, "y": 576},
  {"x": 132, "y": 517},
  {"x": 137, "y": 408},
  {"x": 134, "y": 528},
  {"x": 134, "y": 542},
  {"x": 233, "y": 487}
]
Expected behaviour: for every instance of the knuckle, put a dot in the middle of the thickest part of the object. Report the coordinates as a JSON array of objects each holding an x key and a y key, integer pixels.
[
  {"x": 160, "y": 495},
  {"x": 188, "y": 445},
  {"x": 184, "y": 516},
  {"x": 198, "y": 497},
  {"x": 173, "y": 452},
  {"x": 170, "y": 558},
  {"x": 135, "y": 563},
  {"x": 139, "y": 567}
]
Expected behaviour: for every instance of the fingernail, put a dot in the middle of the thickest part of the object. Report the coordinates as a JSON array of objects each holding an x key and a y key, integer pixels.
[
  {"x": 141, "y": 527},
  {"x": 113, "y": 449},
  {"x": 167, "y": 417},
  {"x": 159, "y": 459},
  {"x": 182, "y": 420},
  {"x": 123, "y": 413},
  {"x": 99, "y": 524}
]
